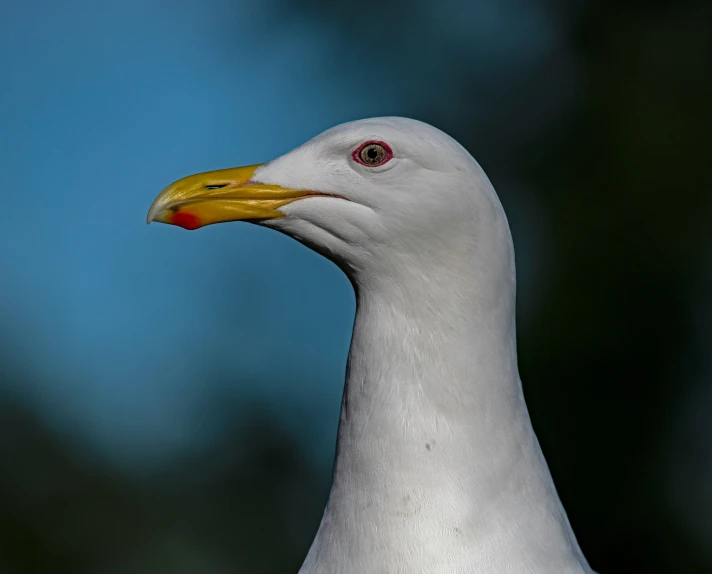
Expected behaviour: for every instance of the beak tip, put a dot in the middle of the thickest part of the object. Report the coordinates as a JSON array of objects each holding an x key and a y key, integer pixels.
[{"x": 152, "y": 214}]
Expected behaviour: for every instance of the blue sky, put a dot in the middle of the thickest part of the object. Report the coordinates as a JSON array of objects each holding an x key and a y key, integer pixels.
[
  {"x": 128, "y": 326},
  {"x": 120, "y": 332}
]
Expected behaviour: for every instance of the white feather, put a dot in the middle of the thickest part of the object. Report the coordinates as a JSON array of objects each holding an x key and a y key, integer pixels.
[{"x": 438, "y": 468}]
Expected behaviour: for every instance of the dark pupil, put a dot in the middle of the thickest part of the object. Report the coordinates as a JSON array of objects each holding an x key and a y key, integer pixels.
[{"x": 372, "y": 153}]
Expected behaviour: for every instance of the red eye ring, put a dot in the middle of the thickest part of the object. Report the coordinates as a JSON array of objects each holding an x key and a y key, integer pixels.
[{"x": 382, "y": 153}]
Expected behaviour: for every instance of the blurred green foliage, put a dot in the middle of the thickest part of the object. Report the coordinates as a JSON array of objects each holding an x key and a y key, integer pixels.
[{"x": 250, "y": 503}]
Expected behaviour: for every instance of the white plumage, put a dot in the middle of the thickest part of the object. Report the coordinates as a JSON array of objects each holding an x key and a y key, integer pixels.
[{"x": 438, "y": 469}]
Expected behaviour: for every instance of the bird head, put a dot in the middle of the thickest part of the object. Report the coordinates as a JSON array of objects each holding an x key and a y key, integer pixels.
[{"x": 364, "y": 194}]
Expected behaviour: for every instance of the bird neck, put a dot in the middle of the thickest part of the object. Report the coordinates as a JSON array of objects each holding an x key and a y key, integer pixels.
[
  {"x": 432, "y": 391},
  {"x": 436, "y": 456}
]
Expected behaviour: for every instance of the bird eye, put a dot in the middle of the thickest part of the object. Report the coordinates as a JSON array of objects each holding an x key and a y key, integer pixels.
[{"x": 373, "y": 153}]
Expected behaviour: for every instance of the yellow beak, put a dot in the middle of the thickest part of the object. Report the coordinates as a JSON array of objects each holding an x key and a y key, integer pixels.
[{"x": 218, "y": 196}]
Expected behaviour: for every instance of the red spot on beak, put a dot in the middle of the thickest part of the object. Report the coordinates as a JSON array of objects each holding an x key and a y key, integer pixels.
[{"x": 185, "y": 220}]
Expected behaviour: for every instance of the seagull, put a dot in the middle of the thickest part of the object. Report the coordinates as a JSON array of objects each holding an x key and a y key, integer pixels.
[{"x": 437, "y": 468}]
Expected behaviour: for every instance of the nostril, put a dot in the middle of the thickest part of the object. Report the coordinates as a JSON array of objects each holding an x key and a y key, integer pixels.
[{"x": 216, "y": 186}]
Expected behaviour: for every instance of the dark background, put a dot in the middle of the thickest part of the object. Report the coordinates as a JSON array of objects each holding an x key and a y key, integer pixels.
[{"x": 593, "y": 121}]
